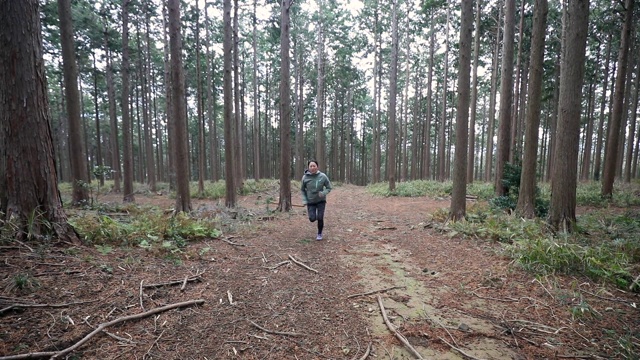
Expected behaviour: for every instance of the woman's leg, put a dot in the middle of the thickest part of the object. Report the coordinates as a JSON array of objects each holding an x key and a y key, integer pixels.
[
  {"x": 320, "y": 216},
  {"x": 312, "y": 212}
]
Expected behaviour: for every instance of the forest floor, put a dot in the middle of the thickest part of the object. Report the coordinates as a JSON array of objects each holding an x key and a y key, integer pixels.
[{"x": 449, "y": 297}]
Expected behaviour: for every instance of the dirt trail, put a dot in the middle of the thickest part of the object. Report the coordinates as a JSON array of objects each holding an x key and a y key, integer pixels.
[{"x": 451, "y": 292}]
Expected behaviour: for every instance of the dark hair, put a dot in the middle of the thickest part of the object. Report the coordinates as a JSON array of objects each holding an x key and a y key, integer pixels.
[{"x": 312, "y": 161}]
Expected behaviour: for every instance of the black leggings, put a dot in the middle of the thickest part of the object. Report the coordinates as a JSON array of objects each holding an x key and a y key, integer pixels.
[{"x": 316, "y": 212}]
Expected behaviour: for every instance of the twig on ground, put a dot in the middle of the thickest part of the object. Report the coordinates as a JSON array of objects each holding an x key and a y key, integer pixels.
[
  {"x": 23, "y": 244},
  {"x": 153, "y": 344},
  {"x": 545, "y": 289},
  {"x": 496, "y": 299},
  {"x": 141, "y": 295},
  {"x": 606, "y": 298},
  {"x": 635, "y": 283},
  {"x": 184, "y": 283},
  {"x": 440, "y": 324},
  {"x": 271, "y": 331},
  {"x": 175, "y": 282},
  {"x": 459, "y": 350},
  {"x": 375, "y": 291},
  {"x": 366, "y": 353},
  {"x": 302, "y": 264},
  {"x": 119, "y": 338},
  {"x": 231, "y": 242},
  {"x": 286, "y": 262},
  {"x": 399, "y": 336},
  {"x": 259, "y": 337},
  {"x": 230, "y": 297},
  {"x": 12, "y": 306},
  {"x": 100, "y": 328}
]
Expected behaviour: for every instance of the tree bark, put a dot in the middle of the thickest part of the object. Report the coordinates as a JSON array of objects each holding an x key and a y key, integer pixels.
[
  {"x": 127, "y": 151},
  {"x": 527, "y": 195},
  {"x": 608, "y": 176},
  {"x": 443, "y": 121},
  {"x": 603, "y": 101},
  {"x": 474, "y": 96},
  {"x": 113, "y": 121},
  {"x": 285, "y": 110},
  {"x": 80, "y": 178},
  {"x": 459, "y": 193},
  {"x": 492, "y": 100},
  {"x": 393, "y": 84},
  {"x": 229, "y": 136},
  {"x": 183, "y": 196},
  {"x": 28, "y": 180},
  {"x": 506, "y": 96},
  {"x": 562, "y": 213},
  {"x": 320, "y": 156}
]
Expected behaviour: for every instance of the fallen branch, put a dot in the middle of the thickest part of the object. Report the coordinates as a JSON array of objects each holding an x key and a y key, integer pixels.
[
  {"x": 286, "y": 262},
  {"x": 100, "y": 328},
  {"x": 232, "y": 243},
  {"x": 366, "y": 353},
  {"x": 375, "y": 291},
  {"x": 271, "y": 331},
  {"x": 13, "y": 306},
  {"x": 174, "y": 282},
  {"x": 459, "y": 350},
  {"x": 141, "y": 295},
  {"x": 495, "y": 299},
  {"x": 606, "y": 298},
  {"x": 399, "y": 336},
  {"x": 302, "y": 264},
  {"x": 440, "y": 324}
]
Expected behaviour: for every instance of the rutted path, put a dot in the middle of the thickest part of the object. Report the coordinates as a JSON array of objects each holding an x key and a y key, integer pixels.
[{"x": 377, "y": 232}]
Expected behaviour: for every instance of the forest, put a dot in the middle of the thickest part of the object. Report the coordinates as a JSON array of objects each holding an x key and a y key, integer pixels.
[{"x": 133, "y": 127}]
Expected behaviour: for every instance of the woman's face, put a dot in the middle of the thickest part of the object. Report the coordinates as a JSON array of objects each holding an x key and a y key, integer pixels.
[{"x": 313, "y": 167}]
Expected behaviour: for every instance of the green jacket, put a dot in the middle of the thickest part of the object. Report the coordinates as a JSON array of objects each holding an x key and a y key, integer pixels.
[{"x": 313, "y": 185}]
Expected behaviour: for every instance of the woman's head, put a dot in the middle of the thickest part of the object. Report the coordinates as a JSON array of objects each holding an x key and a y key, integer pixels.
[{"x": 313, "y": 166}]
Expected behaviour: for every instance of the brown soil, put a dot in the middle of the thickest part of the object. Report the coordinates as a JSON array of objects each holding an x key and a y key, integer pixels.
[{"x": 449, "y": 296}]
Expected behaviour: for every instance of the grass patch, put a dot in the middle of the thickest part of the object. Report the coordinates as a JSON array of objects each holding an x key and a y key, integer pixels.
[{"x": 605, "y": 248}]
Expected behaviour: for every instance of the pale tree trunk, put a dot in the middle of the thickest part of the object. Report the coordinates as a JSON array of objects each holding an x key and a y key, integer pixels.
[
  {"x": 426, "y": 164},
  {"x": 609, "y": 173},
  {"x": 80, "y": 178},
  {"x": 99, "y": 162},
  {"x": 201, "y": 121},
  {"x": 554, "y": 120},
  {"x": 506, "y": 96},
  {"x": 518, "y": 82},
  {"x": 375, "y": 150},
  {"x": 415, "y": 149},
  {"x": 28, "y": 180},
  {"x": 146, "y": 108},
  {"x": 169, "y": 102},
  {"x": 183, "y": 196},
  {"x": 113, "y": 137},
  {"x": 238, "y": 127},
  {"x": 632, "y": 129},
  {"x": 300, "y": 115},
  {"x": 492, "y": 101},
  {"x": 474, "y": 96},
  {"x": 320, "y": 156},
  {"x": 229, "y": 136},
  {"x": 285, "y": 111},
  {"x": 459, "y": 192},
  {"x": 588, "y": 137},
  {"x": 405, "y": 106},
  {"x": 603, "y": 101},
  {"x": 562, "y": 212},
  {"x": 256, "y": 108},
  {"x": 527, "y": 195},
  {"x": 443, "y": 123},
  {"x": 127, "y": 151},
  {"x": 393, "y": 84},
  {"x": 625, "y": 111},
  {"x": 212, "y": 122}
]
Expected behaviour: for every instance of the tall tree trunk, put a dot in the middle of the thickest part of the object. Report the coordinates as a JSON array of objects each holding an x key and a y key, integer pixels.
[
  {"x": 183, "y": 196},
  {"x": 169, "y": 102},
  {"x": 393, "y": 84},
  {"x": 99, "y": 162},
  {"x": 127, "y": 151},
  {"x": 609, "y": 173},
  {"x": 527, "y": 195},
  {"x": 588, "y": 137},
  {"x": 212, "y": 122},
  {"x": 376, "y": 145},
  {"x": 300, "y": 115},
  {"x": 285, "y": 111},
  {"x": 492, "y": 99},
  {"x": 28, "y": 181},
  {"x": 426, "y": 167},
  {"x": 256, "y": 108},
  {"x": 201, "y": 121},
  {"x": 603, "y": 102},
  {"x": 519, "y": 82},
  {"x": 80, "y": 178},
  {"x": 146, "y": 107},
  {"x": 320, "y": 156},
  {"x": 474, "y": 96},
  {"x": 632, "y": 129},
  {"x": 459, "y": 192},
  {"x": 443, "y": 124},
  {"x": 238, "y": 129},
  {"x": 229, "y": 136},
  {"x": 562, "y": 212},
  {"x": 113, "y": 121},
  {"x": 506, "y": 96}
]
